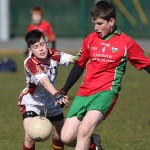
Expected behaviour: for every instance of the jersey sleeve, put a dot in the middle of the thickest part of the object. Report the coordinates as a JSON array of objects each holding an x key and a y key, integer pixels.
[
  {"x": 30, "y": 27},
  {"x": 55, "y": 54},
  {"x": 50, "y": 32},
  {"x": 64, "y": 60},
  {"x": 35, "y": 72},
  {"x": 135, "y": 55},
  {"x": 60, "y": 57},
  {"x": 83, "y": 59}
]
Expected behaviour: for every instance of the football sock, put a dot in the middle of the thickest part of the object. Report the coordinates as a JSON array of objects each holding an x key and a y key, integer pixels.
[
  {"x": 92, "y": 145},
  {"x": 26, "y": 148},
  {"x": 57, "y": 144}
]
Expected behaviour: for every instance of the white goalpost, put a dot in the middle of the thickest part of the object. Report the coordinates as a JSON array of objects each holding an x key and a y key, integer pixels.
[{"x": 4, "y": 20}]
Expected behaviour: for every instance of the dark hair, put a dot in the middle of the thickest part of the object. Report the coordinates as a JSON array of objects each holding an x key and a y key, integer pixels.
[
  {"x": 104, "y": 10},
  {"x": 33, "y": 36}
]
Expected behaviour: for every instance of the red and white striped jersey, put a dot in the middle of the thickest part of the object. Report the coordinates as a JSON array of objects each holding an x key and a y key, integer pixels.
[{"x": 35, "y": 70}]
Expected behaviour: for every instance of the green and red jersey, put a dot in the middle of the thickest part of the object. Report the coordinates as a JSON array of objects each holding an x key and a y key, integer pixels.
[
  {"x": 105, "y": 61},
  {"x": 46, "y": 28}
]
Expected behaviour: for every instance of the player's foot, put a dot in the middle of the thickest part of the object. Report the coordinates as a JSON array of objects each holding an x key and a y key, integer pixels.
[{"x": 97, "y": 140}]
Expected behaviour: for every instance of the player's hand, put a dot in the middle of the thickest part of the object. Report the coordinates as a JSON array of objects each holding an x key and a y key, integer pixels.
[
  {"x": 65, "y": 95},
  {"x": 60, "y": 100}
]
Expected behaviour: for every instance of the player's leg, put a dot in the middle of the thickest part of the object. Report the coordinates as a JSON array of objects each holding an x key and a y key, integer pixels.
[
  {"x": 73, "y": 121},
  {"x": 57, "y": 122},
  {"x": 70, "y": 130},
  {"x": 29, "y": 144},
  {"x": 28, "y": 112},
  {"x": 100, "y": 106},
  {"x": 87, "y": 127}
]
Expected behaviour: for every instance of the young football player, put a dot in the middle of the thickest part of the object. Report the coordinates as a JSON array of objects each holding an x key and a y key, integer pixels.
[
  {"x": 104, "y": 56},
  {"x": 40, "y": 95},
  {"x": 42, "y": 25}
]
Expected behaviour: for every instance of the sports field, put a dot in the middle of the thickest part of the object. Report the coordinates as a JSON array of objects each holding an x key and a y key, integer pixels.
[{"x": 127, "y": 128}]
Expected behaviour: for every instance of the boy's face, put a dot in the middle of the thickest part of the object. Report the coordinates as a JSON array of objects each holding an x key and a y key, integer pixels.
[
  {"x": 39, "y": 49},
  {"x": 103, "y": 27},
  {"x": 36, "y": 18}
]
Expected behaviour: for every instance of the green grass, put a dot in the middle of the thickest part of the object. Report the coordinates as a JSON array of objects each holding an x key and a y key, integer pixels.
[{"x": 127, "y": 127}]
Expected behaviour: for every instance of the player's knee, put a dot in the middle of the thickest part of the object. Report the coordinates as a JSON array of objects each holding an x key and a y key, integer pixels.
[
  {"x": 66, "y": 138},
  {"x": 84, "y": 132}
]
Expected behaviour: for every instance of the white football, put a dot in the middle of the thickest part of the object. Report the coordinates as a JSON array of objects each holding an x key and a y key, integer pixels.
[{"x": 39, "y": 128}]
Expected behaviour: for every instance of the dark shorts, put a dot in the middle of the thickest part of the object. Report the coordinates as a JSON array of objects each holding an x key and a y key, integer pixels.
[{"x": 59, "y": 117}]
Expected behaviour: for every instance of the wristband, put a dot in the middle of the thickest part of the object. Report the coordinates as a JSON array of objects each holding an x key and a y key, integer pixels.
[
  {"x": 63, "y": 92},
  {"x": 58, "y": 96}
]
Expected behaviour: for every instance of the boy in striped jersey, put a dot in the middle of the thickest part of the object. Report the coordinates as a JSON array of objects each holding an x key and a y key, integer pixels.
[{"x": 40, "y": 96}]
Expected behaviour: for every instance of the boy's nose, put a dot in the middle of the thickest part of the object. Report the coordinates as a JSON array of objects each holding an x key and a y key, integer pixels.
[
  {"x": 40, "y": 47},
  {"x": 96, "y": 28}
]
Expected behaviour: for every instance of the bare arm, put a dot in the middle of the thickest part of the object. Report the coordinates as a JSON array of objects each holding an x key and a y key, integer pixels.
[
  {"x": 59, "y": 98},
  {"x": 48, "y": 85}
]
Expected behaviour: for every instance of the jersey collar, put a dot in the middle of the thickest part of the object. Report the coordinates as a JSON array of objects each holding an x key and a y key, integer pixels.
[
  {"x": 35, "y": 60},
  {"x": 37, "y": 24},
  {"x": 116, "y": 31}
]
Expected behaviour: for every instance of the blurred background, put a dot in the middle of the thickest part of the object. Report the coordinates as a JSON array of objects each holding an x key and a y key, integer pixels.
[
  {"x": 71, "y": 18},
  {"x": 128, "y": 126}
]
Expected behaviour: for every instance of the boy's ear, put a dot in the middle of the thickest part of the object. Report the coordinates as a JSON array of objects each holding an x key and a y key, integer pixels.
[
  {"x": 29, "y": 49},
  {"x": 112, "y": 22}
]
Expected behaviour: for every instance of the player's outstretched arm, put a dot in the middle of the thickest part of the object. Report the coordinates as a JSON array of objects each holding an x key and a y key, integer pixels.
[
  {"x": 74, "y": 75},
  {"x": 48, "y": 85},
  {"x": 59, "y": 97}
]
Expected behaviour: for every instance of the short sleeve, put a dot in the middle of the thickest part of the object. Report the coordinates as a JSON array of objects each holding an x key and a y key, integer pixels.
[
  {"x": 34, "y": 72},
  {"x": 51, "y": 33},
  {"x": 136, "y": 56},
  {"x": 64, "y": 60}
]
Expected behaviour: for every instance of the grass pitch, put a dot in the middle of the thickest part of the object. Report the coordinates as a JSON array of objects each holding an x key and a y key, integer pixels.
[{"x": 127, "y": 127}]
